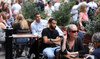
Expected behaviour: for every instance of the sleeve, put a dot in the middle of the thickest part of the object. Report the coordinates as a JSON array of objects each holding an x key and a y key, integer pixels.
[
  {"x": 81, "y": 47},
  {"x": 59, "y": 31},
  {"x": 33, "y": 29},
  {"x": 44, "y": 32},
  {"x": 65, "y": 51},
  {"x": 46, "y": 10},
  {"x": 80, "y": 14}
]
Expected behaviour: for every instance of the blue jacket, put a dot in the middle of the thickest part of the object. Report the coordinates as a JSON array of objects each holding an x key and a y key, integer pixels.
[{"x": 96, "y": 53}]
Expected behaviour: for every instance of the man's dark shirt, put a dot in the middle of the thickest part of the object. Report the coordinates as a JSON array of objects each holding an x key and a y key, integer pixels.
[
  {"x": 51, "y": 35},
  {"x": 96, "y": 53}
]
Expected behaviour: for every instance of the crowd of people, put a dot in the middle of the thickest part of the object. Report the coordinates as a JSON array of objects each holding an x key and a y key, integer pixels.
[{"x": 69, "y": 41}]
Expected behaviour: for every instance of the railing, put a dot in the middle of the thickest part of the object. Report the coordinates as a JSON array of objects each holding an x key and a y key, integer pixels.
[{"x": 9, "y": 38}]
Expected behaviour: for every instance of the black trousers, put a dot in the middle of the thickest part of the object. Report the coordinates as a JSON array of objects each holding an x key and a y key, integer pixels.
[{"x": 34, "y": 49}]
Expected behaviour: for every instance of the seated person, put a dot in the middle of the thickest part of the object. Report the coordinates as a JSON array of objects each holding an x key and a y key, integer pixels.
[
  {"x": 71, "y": 44},
  {"x": 38, "y": 25},
  {"x": 20, "y": 26},
  {"x": 96, "y": 41},
  {"x": 3, "y": 25},
  {"x": 51, "y": 39}
]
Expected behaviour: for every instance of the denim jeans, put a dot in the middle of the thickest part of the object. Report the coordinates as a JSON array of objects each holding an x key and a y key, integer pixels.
[{"x": 49, "y": 52}]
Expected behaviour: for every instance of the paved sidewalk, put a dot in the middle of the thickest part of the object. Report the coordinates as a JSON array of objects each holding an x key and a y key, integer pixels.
[{"x": 2, "y": 54}]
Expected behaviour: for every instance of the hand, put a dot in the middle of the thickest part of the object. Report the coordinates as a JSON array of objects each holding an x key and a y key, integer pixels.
[
  {"x": 58, "y": 38},
  {"x": 72, "y": 53},
  {"x": 65, "y": 35},
  {"x": 82, "y": 27}
]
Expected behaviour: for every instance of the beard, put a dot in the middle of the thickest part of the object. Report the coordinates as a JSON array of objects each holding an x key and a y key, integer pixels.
[{"x": 52, "y": 27}]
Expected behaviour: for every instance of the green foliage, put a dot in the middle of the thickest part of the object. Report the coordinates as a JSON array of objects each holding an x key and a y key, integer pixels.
[
  {"x": 30, "y": 8},
  {"x": 93, "y": 26},
  {"x": 29, "y": 19},
  {"x": 63, "y": 15}
]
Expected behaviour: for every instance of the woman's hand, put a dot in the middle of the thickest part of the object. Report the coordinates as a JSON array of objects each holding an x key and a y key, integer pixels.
[
  {"x": 64, "y": 35},
  {"x": 72, "y": 53}
]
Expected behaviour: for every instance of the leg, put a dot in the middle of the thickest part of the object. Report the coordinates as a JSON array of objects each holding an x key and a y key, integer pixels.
[{"x": 49, "y": 52}]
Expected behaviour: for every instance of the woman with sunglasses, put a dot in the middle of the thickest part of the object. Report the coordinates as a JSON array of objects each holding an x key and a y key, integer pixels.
[{"x": 72, "y": 44}]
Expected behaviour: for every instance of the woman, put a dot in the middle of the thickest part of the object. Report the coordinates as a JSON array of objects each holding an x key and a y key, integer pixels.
[
  {"x": 71, "y": 44},
  {"x": 3, "y": 23},
  {"x": 2, "y": 26},
  {"x": 20, "y": 26},
  {"x": 0, "y": 8},
  {"x": 5, "y": 8},
  {"x": 8, "y": 23},
  {"x": 83, "y": 17}
]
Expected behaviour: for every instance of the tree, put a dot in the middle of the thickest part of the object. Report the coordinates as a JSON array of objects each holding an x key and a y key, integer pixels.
[
  {"x": 30, "y": 8},
  {"x": 63, "y": 15}
]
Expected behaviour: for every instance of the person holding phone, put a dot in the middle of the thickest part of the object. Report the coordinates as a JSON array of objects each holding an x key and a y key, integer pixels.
[{"x": 71, "y": 43}]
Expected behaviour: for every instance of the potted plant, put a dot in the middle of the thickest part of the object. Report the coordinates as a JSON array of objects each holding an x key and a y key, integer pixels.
[
  {"x": 63, "y": 15},
  {"x": 91, "y": 28},
  {"x": 29, "y": 9}
]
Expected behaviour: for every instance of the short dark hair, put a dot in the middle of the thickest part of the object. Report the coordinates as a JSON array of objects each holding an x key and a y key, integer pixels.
[
  {"x": 51, "y": 19},
  {"x": 96, "y": 37},
  {"x": 36, "y": 14},
  {"x": 49, "y": 2}
]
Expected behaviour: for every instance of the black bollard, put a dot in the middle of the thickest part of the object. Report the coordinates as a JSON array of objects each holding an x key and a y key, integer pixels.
[{"x": 9, "y": 38}]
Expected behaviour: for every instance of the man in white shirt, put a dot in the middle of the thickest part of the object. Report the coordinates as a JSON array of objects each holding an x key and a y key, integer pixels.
[
  {"x": 92, "y": 4},
  {"x": 16, "y": 6},
  {"x": 38, "y": 25},
  {"x": 57, "y": 5},
  {"x": 74, "y": 12},
  {"x": 49, "y": 9}
]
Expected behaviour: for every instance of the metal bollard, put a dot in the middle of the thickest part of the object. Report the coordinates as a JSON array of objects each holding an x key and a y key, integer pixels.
[{"x": 9, "y": 32}]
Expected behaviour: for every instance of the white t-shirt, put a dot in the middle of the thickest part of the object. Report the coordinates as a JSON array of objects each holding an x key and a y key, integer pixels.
[
  {"x": 49, "y": 11},
  {"x": 56, "y": 5},
  {"x": 37, "y": 28},
  {"x": 92, "y": 4},
  {"x": 74, "y": 11},
  {"x": 16, "y": 7}
]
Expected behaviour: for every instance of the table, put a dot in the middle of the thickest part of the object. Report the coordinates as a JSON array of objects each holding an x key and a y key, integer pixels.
[
  {"x": 68, "y": 56},
  {"x": 25, "y": 36}
]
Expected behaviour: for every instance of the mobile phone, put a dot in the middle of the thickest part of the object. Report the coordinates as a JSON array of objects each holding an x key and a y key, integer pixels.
[{"x": 72, "y": 56}]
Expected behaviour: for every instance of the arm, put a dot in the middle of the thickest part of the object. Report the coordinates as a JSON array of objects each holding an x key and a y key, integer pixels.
[
  {"x": 2, "y": 26},
  {"x": 5, "y": 23},
  {"x": 81, "y": 47},
  {"x": 20, "y": 11},
  {"x": 47, "y": 40},
  {"x": 64, "y": 42},
  {"x": 80, "y": 21},
  {"x": 33, "y": 29}
]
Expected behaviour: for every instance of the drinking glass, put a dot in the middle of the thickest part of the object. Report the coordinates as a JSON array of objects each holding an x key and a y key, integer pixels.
[{"x": 91, "y": 47}]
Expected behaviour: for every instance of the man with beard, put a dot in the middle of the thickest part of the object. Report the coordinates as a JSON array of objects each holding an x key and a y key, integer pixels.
[{"x": 51, "y": 39}]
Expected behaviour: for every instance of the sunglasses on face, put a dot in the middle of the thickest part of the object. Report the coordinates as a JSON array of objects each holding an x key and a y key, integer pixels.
[{"x": 74, "y": 31}]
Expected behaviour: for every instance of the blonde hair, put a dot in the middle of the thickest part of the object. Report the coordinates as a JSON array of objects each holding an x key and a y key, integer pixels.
[
  {"x": 4, "y": 15},
  {"x": 82, "y": 7},
  {"x": 69, "y": 27},
  {"x": 20, "y": 19}
]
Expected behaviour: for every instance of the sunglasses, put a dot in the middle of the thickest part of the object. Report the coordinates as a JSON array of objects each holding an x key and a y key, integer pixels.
[{"x": 74, "y": 31}]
